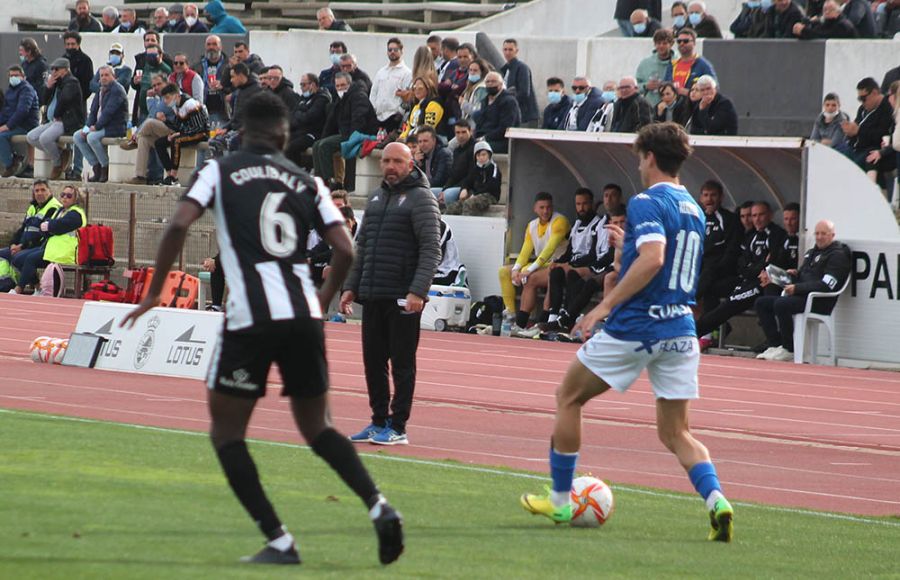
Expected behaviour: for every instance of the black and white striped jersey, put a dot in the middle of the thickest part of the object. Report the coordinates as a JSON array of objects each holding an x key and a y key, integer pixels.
[{"x": 265, "y": 208}]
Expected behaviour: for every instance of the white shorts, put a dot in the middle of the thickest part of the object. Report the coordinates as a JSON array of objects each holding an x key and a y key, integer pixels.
[{"x": 671, "y": 363}]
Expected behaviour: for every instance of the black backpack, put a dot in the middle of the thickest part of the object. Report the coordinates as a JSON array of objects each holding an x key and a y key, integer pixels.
[{"x": 482, "y": 312}]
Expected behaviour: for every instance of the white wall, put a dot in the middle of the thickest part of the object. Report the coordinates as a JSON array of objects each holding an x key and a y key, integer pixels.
[
  {"x": 47, "y": 9},
  {"x": 849, "y": 61}
]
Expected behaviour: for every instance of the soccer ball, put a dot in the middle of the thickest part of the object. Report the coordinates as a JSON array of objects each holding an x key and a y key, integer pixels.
[
  {"x": 592, "y": 502},
  {"x": 40, "y": 349},
  {"x": 57, "y": 350}
]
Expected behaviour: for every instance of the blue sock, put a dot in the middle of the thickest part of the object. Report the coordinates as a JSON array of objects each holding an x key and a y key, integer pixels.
[
  {"x": 704, "y": 478},
  {"x": 562, "y": 469}
]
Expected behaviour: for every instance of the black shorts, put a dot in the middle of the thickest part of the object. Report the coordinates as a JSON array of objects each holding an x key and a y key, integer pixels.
[{"x": 242, "y": 361}]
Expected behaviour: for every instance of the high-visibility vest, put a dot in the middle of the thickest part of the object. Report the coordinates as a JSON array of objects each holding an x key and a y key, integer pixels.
[
  {"x": 63, "y": 248},
  {"x": 33, "y": 211}
]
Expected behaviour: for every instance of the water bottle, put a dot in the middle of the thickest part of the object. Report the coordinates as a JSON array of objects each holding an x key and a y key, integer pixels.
[
  {"x": 506, "y": 326},
  {"x": 496, "y": 323},
  {"x": 381, "y": 136},
  {"x": 130, "y": 131}
]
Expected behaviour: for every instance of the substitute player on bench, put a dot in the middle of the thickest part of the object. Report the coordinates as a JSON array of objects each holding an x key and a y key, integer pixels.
[
  {"x": 265, "y": 208},
  {"x": 648, "y": 325}
]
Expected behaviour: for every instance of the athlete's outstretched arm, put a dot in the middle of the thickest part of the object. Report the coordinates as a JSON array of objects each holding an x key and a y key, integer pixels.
[
  {"x": 651, "y": 258},
  {"x": 341, "y": 260},
  {"x": 186, "y": 213}
]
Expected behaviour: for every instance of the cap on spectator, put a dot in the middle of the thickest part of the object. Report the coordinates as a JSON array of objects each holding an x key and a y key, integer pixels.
[
  {"x": 483, "y": 146},
  {"x": 178, "y": 8},
  {"x": 60, "y": 63},
  {"x": 116, "y": 47}
]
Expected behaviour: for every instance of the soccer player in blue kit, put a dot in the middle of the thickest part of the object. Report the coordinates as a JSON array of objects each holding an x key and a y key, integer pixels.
[{"x": 649, "y": 325}]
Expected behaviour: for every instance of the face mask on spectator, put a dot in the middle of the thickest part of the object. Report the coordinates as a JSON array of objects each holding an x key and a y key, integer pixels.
[
  {"x": 126, "y": 26},
  {"x": 766, "y": 4},
  {"x": 640, "y": 28},
  {"x": 335, "y": 59},
  {"x": 480, "y": 164},
  {"x": 679, "y": 21},
  {"x": 829, "y": 116},
  {"x": 554, "y": 97},
  {"x": 753, "y": 5},
  {"x": 152, "y": 58},
  {"x": 115, "y": 59},
  {"x": 14, "y": 81},
  {"x": 173, "y": 22},
  {"x": 493, "y": 91},
  {"x": 307, "y": 94},
  {"x": 609, "y": 96},
  {"x": 70, "y": 52},
  {"x": 579, "y": 97},
  {"x": 474, "y": 78},
  {"x": 190, "y": 21},
  {"x": 695, "y": 18},
  {"x": 341, "y": 94}
]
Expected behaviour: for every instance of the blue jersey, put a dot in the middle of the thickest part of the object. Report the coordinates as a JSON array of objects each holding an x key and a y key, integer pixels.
[{"x": 662, "y": 309}]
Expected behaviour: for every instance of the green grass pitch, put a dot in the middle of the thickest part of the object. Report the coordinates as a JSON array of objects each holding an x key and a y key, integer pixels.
[{"x": 84, "y": 499}]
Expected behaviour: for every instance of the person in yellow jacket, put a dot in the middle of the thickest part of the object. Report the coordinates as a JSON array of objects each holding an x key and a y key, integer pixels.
[
  {"x": 427, "y": 109},
  {"x": 545, "y": 238},
  {"x": 61, "y": 240}
]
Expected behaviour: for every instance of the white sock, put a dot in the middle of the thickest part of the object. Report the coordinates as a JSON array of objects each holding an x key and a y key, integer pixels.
[
  {"x": 714, "y": 496},
  {"x": 559, "y": 498},
  {"x": 283, "y": 543},
  {"x": 375, "y": 512}
]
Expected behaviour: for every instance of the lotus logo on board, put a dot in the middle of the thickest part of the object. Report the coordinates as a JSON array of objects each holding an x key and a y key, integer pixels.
[{"x": 146, "y": 343}]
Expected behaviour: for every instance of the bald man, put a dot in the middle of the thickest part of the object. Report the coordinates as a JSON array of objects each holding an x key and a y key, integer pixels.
[
  {"x": 398, "y": 251},
  {"x": 631, "y": 111},
  {"x": 825, "y": 269}
]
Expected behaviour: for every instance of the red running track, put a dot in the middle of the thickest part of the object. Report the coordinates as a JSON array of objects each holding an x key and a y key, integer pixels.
[{"x": 801, "y": 436}]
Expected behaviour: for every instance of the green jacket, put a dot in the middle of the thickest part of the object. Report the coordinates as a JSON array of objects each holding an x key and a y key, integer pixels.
[{"x": 652, "y": 66}]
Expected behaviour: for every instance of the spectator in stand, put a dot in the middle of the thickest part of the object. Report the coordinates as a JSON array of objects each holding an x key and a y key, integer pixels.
[
  {"x": 191, "y": 127},
  {"x": 672, "y": 107},
  {"x": 587, "y": 102},
  {"x": 349, "y": 66},
  {"x": 721, "y": 248},
  {"x": 151, "y": 62},
  {"x": 715, "y": 114},
  {"x": 128, "y": 23},
  {"x": 427, "y": 109},
  {"x": 454, "y": 84},
  {"x": 82, "y": 68},
  {"x": 625, "y": 8},
  {"x": 643, "y": 25},
  {"x": 559, "y": 104},
  {"x": 471, "y": 101},
  {"x": 825, "y": 269},
  {"x": 351, "y": 112},
  {"x": 859, "y": 13},
  {"x": 214, "y": 70},
  {"x": 60, "y": 243},
  {"x": 161, "y": 20},
  {"x": 689, "y": 66},
  {"x": 308, "y": 119},
  {"x": 110, "y": 18},
  {"x": 108, "y": 118},
  {"x": 832, "y": 24},
  {"x": 679, "y": 13},
  {"x": 192, "y": 22},
  {"x": 19, "y": 114},
  {"x": 423, "y": 67},
  {"x": 244, "y": 87},
  {"x": 884, "y": 160},
  {"x": 501, "y": 111},
  {"x": 64, "y": 114},
  {"x": 827, "y": 129},
  {"x": 703, "y": 23},
  {"x": 652, "y": 70},
  {"x": 186, "y": 79},
  {"x": 545, "y": 239},
  {"x": 158, "y": 123},
  {"x": 242, "y": 54},
  {"x": 222, "y": 22},
  {"x": 481, "y": 188},
  {"x": 745, "y": 215},
  {"x": 432, "y": 158},
  {"x": 83, "y": 21},
  {"x": 433, "y": 44},
  {"x": 751, "y": 22},
  {"x": 326, "y": 77},
  {"x": 889, "y": 78},
  {"x": 874, "y": 119},
  {"x": 888, "y": 18},
  {"x": 390, "y": 82},
  {"x": 122, "y": 72},
  {"x": 694, "y": 100},
  {"x": 327, "y": 21},
  {"x": 631, "y": 111},
  {"x": 449, "y": 58},
  {"x": 780, "y": 21},
  {"x": 176, "y": 19},
  {"x": 35, "y": 66},
  {"x": 517, "y": 80},
  {"x": 461, "y": 166},
  {"x": 273, "y": 79}
]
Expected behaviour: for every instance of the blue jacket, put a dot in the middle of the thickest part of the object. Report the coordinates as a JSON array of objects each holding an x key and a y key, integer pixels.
[
  {"x": 114, "y": 116},
  {"x": 225, "y": 23},
  {"x": 700, "y": 67},
  {"x": 586, "y": 112},
  {"x": 21, "y": 109}
]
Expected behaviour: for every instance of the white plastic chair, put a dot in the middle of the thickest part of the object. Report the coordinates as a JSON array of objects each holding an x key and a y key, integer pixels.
[{"x": 806, "y": 328}]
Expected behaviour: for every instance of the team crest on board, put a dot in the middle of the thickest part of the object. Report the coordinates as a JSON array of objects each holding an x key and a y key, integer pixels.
[{"x": 146, "y": 343}]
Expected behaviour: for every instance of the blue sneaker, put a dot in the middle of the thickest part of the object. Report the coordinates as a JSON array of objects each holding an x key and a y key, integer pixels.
[
  {"x": 389, "y": 436},
  {"x": 367, "y": 434}
]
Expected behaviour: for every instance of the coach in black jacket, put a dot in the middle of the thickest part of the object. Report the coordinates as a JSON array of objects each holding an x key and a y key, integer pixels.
[
  {"x": 398, "y": 252},
  {"x": 825, "y": 269}
]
